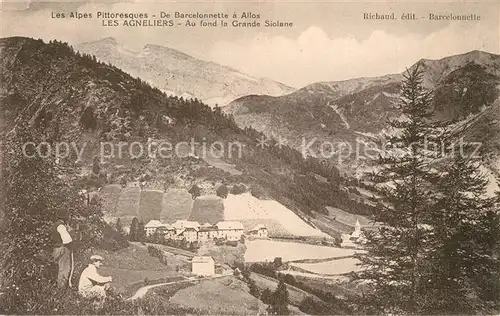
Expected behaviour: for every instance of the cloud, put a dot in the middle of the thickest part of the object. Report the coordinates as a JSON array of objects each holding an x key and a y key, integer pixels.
[{"x": 314, "y": 56}]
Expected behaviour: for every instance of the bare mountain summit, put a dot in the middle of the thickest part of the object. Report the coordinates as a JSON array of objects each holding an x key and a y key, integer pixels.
[{"x": 179, "y": 74}]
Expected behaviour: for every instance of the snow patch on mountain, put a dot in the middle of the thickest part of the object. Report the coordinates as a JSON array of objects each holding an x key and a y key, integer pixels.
[{"x": 342, "y": 117}]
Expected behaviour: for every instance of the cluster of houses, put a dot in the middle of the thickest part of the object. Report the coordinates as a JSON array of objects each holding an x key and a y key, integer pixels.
[{"x": 193, "y": 231}]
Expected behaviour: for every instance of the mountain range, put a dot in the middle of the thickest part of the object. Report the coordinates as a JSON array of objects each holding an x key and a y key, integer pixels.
[
  {"x": 177, "y": 73},
  {"x": 347, "y": 112}
]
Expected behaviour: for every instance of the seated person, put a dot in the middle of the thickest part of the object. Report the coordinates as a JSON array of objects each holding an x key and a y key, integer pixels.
[{"x": 93, "y": 285}]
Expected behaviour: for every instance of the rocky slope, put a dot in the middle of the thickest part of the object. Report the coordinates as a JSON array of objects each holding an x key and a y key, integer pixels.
[{"x": 179, "y": 74}]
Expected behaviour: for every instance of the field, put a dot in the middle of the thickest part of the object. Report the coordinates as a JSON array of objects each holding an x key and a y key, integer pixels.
[
  {"x": 262, "y": 250},
  {"x": 150, "y": 205},
  {"x": 332, "y": 227},
  {"x": 224, "y": 296},
  {"x": 332, "y": 267},
  {"x": 346, "y": 217},
  {"x": 128, "y": 203},
  {"x": 207, "y": 209},
  {"x": 110, "y": 196},
  {"x": 247, "y": 207},
  {"x": 131, "y": 202},
  {"x": 176, "y": 204}
]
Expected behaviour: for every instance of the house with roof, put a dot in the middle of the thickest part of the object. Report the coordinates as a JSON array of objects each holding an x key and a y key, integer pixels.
[
  {"x": 181, "y": 224},
  {"x": 202, "y": 265},
  {"x": 259, "y": 231},
  {"x": 192, "y": 231},
  {"x": 189, "y": 234},
  {"x": 166, "y": 232},
  {"x": 151, "y": 227},
  {"x": 230, "y": 230},
  {"x": 207, "y": 232}
]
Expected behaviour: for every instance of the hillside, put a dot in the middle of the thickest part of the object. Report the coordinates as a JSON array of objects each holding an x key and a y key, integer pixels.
[
  {"x": 179, "y": 74},
  {"x": 351, "y": 112},
  {"x": 170, "y": 206},
  {"x": 65, "y": 96}
]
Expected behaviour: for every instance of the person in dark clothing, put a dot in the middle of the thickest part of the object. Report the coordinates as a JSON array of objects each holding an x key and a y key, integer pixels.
[{"x": 61, "y": 253}]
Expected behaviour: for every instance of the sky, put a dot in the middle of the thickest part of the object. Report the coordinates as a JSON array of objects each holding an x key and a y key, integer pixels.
[{"x": 329, "y": 41}]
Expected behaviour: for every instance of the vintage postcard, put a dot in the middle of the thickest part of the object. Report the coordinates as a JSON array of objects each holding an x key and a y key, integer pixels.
[{"x": 250, "y": 157}]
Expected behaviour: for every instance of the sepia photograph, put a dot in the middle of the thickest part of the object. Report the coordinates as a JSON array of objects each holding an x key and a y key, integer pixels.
[{"x": 226, "y": 157}]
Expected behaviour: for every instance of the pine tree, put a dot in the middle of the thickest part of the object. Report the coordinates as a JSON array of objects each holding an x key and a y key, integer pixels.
[
  {"x": 119, "y": 227},
  {"x": 396, "y": 254},
  {"x": 279, "y": 300},
  {"x": 141, "y": 232},
  {"x": 195, "y": 191},
  {"x": 134, "y": 227},
  {"x": 464, "y": 260}
]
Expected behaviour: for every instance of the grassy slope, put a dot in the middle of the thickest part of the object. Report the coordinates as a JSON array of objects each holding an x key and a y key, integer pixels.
[
  {"x": 176, "y": 204},
  {"x": 296, "y": 295},
  {"x": 110, "y": 196},
  {"x": 227, "y": 296},
  {"x": 207, "y": 209},
  {"x": 133, "y": 264},
  {"x": 128, "y": 204},
  {"x": 150, "y": 205}
]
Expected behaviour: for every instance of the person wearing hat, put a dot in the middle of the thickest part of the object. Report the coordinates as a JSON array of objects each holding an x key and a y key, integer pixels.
[
  {"x": 62, "y": 243},
  {"x": 92, "y": 284}
]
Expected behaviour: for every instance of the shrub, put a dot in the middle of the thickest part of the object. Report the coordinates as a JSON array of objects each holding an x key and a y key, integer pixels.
[
  {"x": 222, "y": 191},
  {"x": 238, "y": 189},
  {"x": 289, "y": 279},
  {"x": 254, "y": 290},
  {"x": 195, "y": 191},
  {"x": 266, "y": 296},
  {"x": 257, "y": 191}
]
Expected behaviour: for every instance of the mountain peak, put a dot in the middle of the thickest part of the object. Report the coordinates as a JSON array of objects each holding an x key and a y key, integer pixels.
[
  {"x": 474, "y": 55},
  {"x": 152, "y": 48},
  {"x": 108, "y": 40}
]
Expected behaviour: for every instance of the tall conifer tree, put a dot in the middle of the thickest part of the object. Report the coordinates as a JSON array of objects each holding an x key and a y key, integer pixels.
[{"x": 396, "y": 254}]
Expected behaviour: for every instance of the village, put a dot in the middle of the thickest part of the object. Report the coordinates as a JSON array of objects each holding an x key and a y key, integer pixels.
[
  {"x": 192, "y": 231},
  {"x": 223, "y": 232}
]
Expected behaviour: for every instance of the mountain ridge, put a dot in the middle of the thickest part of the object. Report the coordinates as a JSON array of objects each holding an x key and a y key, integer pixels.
[
  {"x": 181, "y": 74},
  {"x": 343, "y": 111}
]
